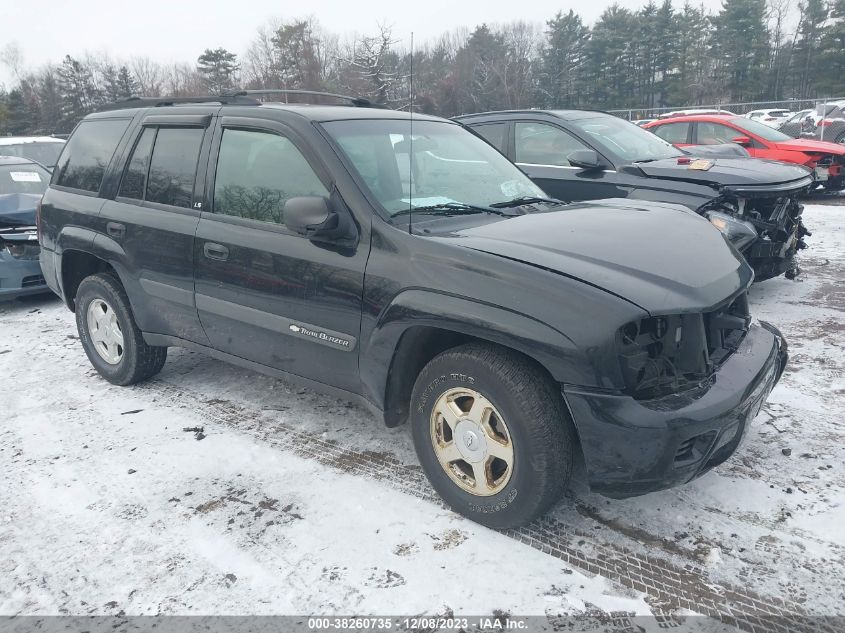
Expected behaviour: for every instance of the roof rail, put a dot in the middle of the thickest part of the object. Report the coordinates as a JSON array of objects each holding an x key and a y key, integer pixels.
[
  {"x": 156, "y": 102},
  {"x": 359, "y": 102}
]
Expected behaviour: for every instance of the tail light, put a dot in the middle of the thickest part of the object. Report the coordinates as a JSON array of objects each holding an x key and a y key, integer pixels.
[{"x": 824, "y": 123}]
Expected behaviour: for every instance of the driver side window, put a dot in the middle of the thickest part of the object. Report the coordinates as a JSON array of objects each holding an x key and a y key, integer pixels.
[
  {"x": 258, "y": 172},
  {"x": 715, "y": 134},
  {"x": 541, "y": 144}
]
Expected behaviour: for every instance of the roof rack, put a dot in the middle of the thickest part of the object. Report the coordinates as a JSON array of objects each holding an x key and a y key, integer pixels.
[
  {"x": 359, "y": 102},
  {"x": 155, "y": 102}
]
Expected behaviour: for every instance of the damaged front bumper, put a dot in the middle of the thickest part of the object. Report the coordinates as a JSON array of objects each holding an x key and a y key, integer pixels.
[
  {"x": 20, "y": 270},
  {"x": 632, "y": 447},
  {"x": 765, "y": 226}
]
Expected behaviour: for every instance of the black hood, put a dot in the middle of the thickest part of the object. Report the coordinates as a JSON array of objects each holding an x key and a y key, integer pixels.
[
  {"x": 731, "y": 172},
  {"x": 662, "y": 257},
  {"x": 18, "y": 209}
]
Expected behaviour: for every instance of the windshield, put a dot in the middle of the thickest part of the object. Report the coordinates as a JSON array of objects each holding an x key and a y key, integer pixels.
[
  {"x": 624, "y": 139},
  {"x": 45, "y": 153},
  {"x": 760, "y": 129},
  {"x": 23, "y": 178},
  {"x": 450, "y": 165}
]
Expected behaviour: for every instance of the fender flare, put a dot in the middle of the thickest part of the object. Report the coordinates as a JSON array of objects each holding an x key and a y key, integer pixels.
[
  {"x": 551, "y": 348},
  {"x": 80, "y": 239}
]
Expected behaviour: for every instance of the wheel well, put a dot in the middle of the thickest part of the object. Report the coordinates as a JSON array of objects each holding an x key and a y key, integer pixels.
[
  {"x": 417, "y": 346},
  {"x": 76, "y": 266}
]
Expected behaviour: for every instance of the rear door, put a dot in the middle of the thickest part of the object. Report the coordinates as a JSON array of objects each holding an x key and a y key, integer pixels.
[
  {"x": 153, "y": 220},
  {"x": 263, "y": 292}
]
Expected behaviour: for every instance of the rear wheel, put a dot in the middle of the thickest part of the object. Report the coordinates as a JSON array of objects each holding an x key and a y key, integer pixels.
[
  {"x": 492, "y": 434},
  {"x": 109, "y": 335}
]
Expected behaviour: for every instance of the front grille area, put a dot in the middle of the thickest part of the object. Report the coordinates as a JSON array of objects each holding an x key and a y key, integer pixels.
[
  {"x": 667, "y": 354},
  {"x": 32, "y": 280}
]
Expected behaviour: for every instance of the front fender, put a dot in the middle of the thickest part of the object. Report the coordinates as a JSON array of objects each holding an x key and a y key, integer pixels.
[
  {"x": 690, "y": 199},
  {"x": 552, "y": 348}
]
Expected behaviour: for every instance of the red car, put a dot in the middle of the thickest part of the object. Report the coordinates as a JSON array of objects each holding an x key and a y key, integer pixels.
[{"x": 761, "y": 141}]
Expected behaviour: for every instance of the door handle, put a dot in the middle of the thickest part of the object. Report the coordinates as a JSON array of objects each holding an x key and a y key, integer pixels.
[
  {"x": 116, "y": 229},
  {"x": 215, "y": 251}
]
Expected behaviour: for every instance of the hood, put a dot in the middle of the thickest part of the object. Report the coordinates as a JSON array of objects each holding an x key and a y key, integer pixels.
[
  {"x": 809, "y": 145},
  {"x": 18, "y": 209},
  {"x": 662, "y": 257},
  {"x": 754, "y": 172}
]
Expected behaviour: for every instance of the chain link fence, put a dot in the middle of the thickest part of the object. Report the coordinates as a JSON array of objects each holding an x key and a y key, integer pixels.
[{"x": 793, "y": 105}]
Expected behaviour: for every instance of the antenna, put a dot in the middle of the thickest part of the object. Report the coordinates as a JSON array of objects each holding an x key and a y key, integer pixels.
[{"x": 411, "y": 142}]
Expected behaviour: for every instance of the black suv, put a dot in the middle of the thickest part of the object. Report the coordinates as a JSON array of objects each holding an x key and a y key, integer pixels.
[
  {"x": 406, "y": 264},
  {"x": 588, "y": 155}
]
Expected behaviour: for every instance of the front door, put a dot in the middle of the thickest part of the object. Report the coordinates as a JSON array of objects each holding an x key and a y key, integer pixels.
[
  {"x": 541, "y": 150},
  {"x": 263, "y": 292}
]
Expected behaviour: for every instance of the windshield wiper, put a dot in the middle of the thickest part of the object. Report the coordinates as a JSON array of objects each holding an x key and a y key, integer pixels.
[
  {"x": 518, "y": 202},
  {"x": 451, "y": 208}
]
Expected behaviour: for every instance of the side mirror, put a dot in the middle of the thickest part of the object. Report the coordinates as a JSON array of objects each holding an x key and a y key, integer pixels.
[
  {"x": 585, "y": 159},
  {"x": 741, "y": 140},
  {"x": 309, "y": 215},
  {"x": 315, "y": 217}
]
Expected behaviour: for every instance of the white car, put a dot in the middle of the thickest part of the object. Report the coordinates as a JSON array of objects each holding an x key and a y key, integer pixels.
[
  {"x": 44, "y": 150},
  {"x": 772, "y": 118}
]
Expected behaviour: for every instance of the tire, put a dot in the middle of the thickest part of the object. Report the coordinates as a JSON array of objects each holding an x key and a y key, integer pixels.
[
  {"x": 125, "y": 362},
  {"x": 525, "y": 409}
]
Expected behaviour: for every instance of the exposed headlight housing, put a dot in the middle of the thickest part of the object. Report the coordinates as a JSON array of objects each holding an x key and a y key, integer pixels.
[
  {"x": 672, "y": 353},
  {"x": 739, "y": 232}
]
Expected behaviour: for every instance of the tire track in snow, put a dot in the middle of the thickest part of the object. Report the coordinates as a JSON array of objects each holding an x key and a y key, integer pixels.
[{"x": 668, "y": 586}]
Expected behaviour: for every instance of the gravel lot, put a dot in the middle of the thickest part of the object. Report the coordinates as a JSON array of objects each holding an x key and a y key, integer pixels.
[{"x": 290, "y": 502}]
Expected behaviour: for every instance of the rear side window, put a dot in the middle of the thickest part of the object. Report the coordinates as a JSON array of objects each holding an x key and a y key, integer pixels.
[
  {"x": 83, "y": 162},
  {"x": 257, "y": 172},
  {"x": 493, "y": 133},
  {"x": 173, "y": 166},
  {"x": 135, "y": 180},
  {"x": 674, "y": 133}
]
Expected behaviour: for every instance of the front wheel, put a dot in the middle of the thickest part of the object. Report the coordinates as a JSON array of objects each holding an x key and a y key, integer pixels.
[
  {"x": 492, "y": 434},
  {"x": 109, "y": 335}
]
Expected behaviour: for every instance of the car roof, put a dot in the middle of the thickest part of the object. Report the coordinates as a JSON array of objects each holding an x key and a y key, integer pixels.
[
  {"x": 703, "y": 118},
  {"x": 319, "y": 113},
  {"x": 17, "y": 140},
  {"x": 16, "y": 160}
]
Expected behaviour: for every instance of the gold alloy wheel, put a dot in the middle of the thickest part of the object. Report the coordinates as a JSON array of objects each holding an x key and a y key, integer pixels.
[{"x": 472, "y": 442}]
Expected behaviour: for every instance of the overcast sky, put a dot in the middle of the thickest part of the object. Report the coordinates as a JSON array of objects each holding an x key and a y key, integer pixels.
[{"x": 179, "y": 30}]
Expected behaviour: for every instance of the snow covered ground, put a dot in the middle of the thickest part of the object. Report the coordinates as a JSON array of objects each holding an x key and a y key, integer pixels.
[{"x": 295, "y": 503}]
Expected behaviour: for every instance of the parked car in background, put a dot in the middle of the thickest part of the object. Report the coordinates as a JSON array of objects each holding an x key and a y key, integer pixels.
[
  {"x": 44, "y": 150},
  {"x": 772, "y": 118},
  {"x": 827, "y": 160},
  {"x": 822, "y": 123},
  {"x": 291, "y": 239},
  {"x": 642, "y": 122},
  {"x": 583, "y": 155},
  {"x": 794, "y": 125},
  {"x": 22, "y": 182}
]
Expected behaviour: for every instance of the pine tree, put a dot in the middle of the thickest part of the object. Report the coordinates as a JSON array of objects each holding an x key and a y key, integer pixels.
[
  {"x": 79, "y": 94},
  {"x": 740, "y": 48},
  {"x": 806, "y": 64},
  {"x": 832, "y": 58},
  {"x": 218, "y": 69},
  {"x": 562, "y": 61}
]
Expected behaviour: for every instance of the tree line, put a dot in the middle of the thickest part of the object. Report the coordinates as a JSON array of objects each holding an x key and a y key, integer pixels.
[{"x": 659, "y": 55}]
